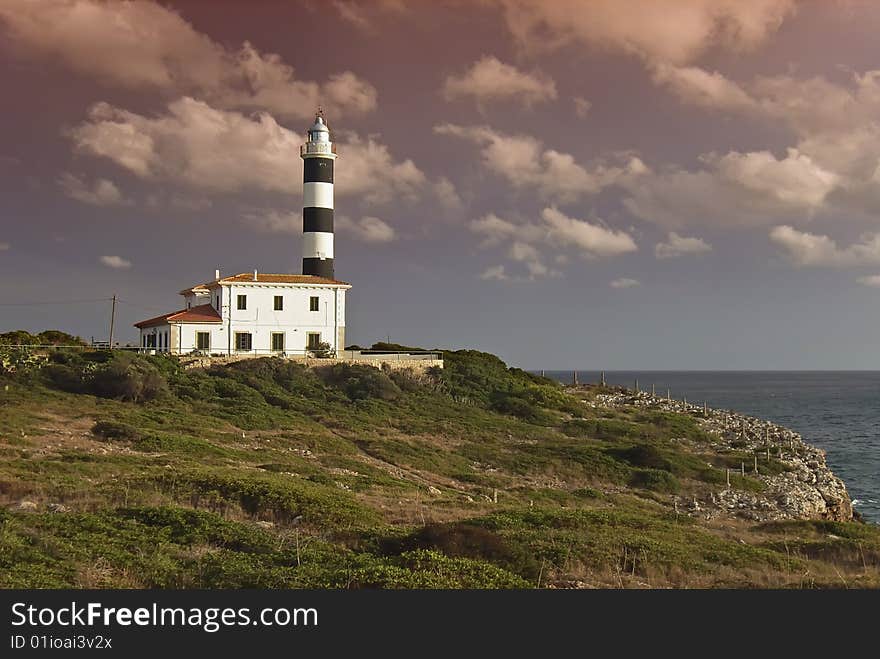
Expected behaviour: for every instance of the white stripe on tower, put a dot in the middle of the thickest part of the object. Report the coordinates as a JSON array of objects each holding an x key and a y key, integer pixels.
[
  {"x": 318, "y": 243},
  {"x": 318, "y": 195},
  {"x": 318, "y": 155}
]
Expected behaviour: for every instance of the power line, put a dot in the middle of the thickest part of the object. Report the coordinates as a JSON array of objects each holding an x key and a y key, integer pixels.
[
  {"x": 45, "y": 302},
  {"x": 138, "y": 306}
]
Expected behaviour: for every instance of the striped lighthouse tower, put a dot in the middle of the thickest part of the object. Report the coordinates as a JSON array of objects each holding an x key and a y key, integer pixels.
[{"x": 318, "y": 154}]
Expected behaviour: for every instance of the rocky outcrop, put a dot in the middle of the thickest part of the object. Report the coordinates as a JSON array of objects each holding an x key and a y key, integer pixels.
[{"x": 806, "y": 489}]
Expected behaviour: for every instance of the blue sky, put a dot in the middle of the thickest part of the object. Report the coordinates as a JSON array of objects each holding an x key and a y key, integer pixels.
[{"x": 679, "y": 184}]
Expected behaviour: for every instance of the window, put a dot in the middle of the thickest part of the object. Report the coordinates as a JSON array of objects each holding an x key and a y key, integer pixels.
[
  {"x": 217, "y": 305},
  {"x": 203, "y": 340},
  {"x": 243, "y": 341},
  {"x": 242, "y": 301},
  {"x": 314, "y": 340},
  {"x": 313, "y": 303},
  {"x": 277, "y": 341},
  {"x": 279, "y": 303}
]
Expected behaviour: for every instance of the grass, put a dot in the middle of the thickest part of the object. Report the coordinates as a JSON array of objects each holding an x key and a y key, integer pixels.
[{"x": 266, "y": 474}]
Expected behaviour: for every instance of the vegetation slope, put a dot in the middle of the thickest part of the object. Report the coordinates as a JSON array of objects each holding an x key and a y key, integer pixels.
[{"x": 126, "y": 470}]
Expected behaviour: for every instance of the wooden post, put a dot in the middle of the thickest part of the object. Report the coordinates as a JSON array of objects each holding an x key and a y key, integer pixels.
[
  {"x": 574, "y": 378},
  {"x": 756, "y": 463},
  {"x": 652, "y": 391},
  {"x": 112, "y": 320},
  {"x": 602, "y": 379},
  {"x": 742, "y": 468},
  {"x": 668, "y": 395},
  {"x": 637, "y": 386},
  {"x": 705, "y": 409},
  {"x": 495, "y": 495},
  {"x": 728, "y": 477},
  {"x": 542, "y": 372}
]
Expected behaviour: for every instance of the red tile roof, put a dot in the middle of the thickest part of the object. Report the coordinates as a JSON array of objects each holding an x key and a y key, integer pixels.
[
  {"x": 248, "y": 278},
  {"x": 204, "y": 313}
]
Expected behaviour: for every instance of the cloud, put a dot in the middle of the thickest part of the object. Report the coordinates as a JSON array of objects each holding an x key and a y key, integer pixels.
[
  {"x": 625, "y": 282},
  {"x": 495, "y": 272},
  {"x": 554, "y": 232},
  {"x": 581, "y": 106},
  {"x": 489, "y": 80},
  {"x": 525, "y": 163},
  {"x": 737, "y": 189},
  {"x": 834, "y": 124},
  {"x": 273, "y": 220},
  {"x": 222, "y": 151},
  {"x": 676, "y": 31},
  {"x": 591, "y": 239},
  {"x": 676, "y": 246},
  {"x": 368, "y": 229},
  {"x": 531, "y": 257},
  {"x": 101, "y": 193},
  {"x": 496, "y": 229},
  {"x": 697, "y": 86},
  {"x": 143, "y": 45},
  {"x": 370, "y": 172},
  {"x": 809, "y": 249},
  {"x": 447, "y": 195},
  {"x": 871, "y": 280},
  {"x": 115, "y": 262}
]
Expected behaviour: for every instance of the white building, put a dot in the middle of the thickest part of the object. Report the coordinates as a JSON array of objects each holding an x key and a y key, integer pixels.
[
  {"x": 260, "y": 314},
  {"x": 265, "y": 314}
]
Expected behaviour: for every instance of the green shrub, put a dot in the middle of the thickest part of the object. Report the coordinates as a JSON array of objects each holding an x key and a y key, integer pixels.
[
  {"x": 115, "y": 430},
  {"x": 128, "y": 377},
  {"x": 643, "y": 455},
  {"x": 64, "y": 377},
  {"x": 654, "y": 479},
  {"x": 360, "y": 382},
  {"x": 463, "y": 540}
]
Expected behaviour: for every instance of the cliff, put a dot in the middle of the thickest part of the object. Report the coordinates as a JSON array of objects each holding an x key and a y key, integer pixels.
[{"x": 805, "y": 488}]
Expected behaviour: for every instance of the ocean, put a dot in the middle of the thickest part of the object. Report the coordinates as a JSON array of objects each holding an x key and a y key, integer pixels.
[{"x": 835, "y": 410}]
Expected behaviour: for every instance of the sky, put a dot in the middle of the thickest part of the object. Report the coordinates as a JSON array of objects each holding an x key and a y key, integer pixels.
[{"x": 575, "y": 184}]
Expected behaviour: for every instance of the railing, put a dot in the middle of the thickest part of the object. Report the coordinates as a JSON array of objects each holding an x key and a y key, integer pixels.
[{"x": 316, "y": 148}]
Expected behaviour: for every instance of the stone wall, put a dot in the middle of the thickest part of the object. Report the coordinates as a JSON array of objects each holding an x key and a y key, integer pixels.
[{"x": 392, "y": 362}]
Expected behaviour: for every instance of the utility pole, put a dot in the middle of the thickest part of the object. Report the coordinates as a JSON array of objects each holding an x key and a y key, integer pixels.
[{"x": 112, "y": 320}]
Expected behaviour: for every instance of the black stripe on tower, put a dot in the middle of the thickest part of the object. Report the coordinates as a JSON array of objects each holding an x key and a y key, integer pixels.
[
  {"x": 318, "y": 267},
  {"x": 318, "y": 219},
  {"x": 318, "y": 170}
]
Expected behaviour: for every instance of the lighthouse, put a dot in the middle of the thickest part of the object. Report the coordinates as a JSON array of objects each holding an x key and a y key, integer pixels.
[{"x": 318, "y": 154}]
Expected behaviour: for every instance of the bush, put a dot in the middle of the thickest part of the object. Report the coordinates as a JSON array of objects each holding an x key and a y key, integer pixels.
[
  {"x": 463, "y": 540},
  {"x": 115, "y": 430},
  {"x": 654, "y": 479},
  {"x": 128, "y": 378},
  {"x": 644, "y": 455},
  {"x": 323, "y": 350},
  {"x": 64, "y": 377},
  {"x": 360, "y": 382}
]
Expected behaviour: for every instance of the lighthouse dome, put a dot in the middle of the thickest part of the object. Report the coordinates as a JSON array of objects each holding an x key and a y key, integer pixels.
[{"x": 319, "y": 132}]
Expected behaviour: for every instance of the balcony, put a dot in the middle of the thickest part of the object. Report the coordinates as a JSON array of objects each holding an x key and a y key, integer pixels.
[{"x": 317, "y": 148}]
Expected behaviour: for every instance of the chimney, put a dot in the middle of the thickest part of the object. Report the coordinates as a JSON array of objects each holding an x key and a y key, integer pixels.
[
  {"x": 216, "y": 275},
  {"x": 255, "y": 274}
]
